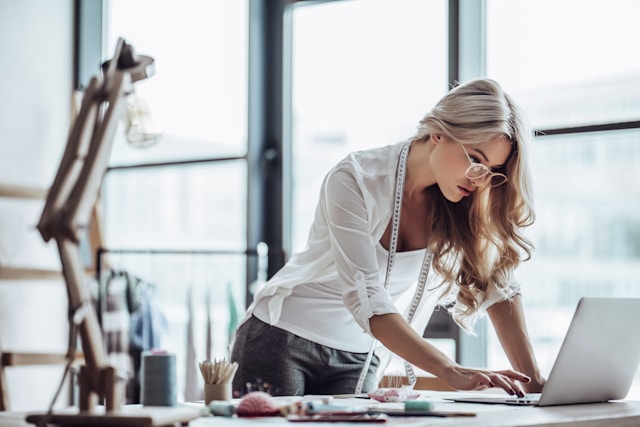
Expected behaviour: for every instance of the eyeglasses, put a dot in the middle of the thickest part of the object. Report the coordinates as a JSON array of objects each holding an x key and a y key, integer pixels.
[{"x": 477, "y": 171}]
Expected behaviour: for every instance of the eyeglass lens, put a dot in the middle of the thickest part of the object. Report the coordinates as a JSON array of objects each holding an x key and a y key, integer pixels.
[
  {"x": 498, "y": 179},
  {"x": 482, "y": 172},
  {"x": 477, "y": 171}
]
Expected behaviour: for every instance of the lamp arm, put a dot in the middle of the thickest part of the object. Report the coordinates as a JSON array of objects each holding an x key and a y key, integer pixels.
[
  {"x": 67, "y": 211},
  {"x": 69, "y": 169},
  {"x": 82, "y": 198}
]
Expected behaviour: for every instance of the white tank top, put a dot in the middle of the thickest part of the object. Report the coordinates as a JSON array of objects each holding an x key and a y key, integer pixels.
[{"x": 315, "y": 311}]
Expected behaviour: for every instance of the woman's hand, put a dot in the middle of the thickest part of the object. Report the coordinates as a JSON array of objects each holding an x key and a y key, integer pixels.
[
  {"x": 535, "y": 385},
  {"x": 461, "y": 378},
  {"x": 396, "y": 334},
  {"x": 509, "y": 322}
]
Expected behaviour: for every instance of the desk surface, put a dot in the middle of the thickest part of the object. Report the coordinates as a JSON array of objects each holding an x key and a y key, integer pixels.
[{"x": 618, "y": 413}]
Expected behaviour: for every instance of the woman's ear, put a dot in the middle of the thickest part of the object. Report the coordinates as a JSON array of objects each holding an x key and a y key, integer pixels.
[{"x": 436, "y": 138}]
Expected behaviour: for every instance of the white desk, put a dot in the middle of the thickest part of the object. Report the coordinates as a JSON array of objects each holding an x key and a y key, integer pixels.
[{"x": 620, "y": 413}]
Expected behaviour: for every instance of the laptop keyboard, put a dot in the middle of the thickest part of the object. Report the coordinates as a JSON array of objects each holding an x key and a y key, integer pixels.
[{"x": 527, "y": 399}]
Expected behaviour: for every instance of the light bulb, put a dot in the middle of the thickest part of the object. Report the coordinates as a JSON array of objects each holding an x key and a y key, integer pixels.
[{"x": 140, "y": 129}]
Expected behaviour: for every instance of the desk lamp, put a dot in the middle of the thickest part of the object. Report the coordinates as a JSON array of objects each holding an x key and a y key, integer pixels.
[{"x": 64, "y": 219}]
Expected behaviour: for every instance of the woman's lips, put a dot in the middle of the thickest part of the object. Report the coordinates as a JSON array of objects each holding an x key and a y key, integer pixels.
[{"x": 465, "y": 192}]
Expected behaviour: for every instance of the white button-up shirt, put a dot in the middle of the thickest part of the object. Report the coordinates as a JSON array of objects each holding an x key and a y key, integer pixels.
[{"x": 339, "y": 276}]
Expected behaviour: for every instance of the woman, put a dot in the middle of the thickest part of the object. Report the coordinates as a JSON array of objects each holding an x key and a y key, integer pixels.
[{"x": 399, "y": 230}]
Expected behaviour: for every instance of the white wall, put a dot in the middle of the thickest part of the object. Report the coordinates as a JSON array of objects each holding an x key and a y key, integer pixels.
[{"x": 36, "y": 51}]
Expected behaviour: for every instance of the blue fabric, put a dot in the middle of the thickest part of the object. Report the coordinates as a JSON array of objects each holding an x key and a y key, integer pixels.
[{"x": 148, "y": 323}]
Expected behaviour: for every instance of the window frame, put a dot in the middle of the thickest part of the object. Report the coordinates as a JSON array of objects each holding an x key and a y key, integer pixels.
[{"x": 269, "y": 122}]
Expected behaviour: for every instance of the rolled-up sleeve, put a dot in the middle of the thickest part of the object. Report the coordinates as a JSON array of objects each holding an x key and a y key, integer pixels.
[
  {"x": 353, "y": 247},
  {"x": 495, "y": 294}
]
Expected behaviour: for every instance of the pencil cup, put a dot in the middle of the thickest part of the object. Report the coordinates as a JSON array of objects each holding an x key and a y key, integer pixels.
[{"x": 217, "y": 392}]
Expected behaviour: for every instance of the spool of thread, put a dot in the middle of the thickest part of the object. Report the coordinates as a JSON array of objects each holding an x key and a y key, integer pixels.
[
  {"x": 158, "y": 379},
  {"x": 221, "y": 408},
  {"x": 418, "y": 406}
]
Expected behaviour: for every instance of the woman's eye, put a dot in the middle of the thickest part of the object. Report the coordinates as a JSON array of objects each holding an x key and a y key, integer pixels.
[{"x": 475, "y": 159}]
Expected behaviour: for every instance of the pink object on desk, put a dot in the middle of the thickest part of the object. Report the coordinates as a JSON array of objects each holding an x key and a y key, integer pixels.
[
  {"x": 257, "y": 404},
  {"x": 394, "y": 394}
]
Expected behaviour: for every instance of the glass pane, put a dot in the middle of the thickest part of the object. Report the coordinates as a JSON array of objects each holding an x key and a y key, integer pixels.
[
  {"x": 199, "y": 210},
  {"x": 587, "y": 233},
  {"x": 363, "y": 75},
  {"x": 198, "y": 95},
  {"x": 182, "y": 217},
  {"x": 568, "y": 63},
  {"x": 572, "y": 63},
  {"x": 182, "y": 207},
  {"x": 194, "y": 302}
]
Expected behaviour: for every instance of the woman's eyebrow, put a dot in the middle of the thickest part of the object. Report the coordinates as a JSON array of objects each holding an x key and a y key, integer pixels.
[
  {"x": 486, "y": 159},
  {"x": 484, "y": 156}
]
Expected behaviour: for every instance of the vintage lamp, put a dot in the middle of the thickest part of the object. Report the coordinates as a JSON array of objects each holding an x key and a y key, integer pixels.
[{"x": 65, "y": 218}]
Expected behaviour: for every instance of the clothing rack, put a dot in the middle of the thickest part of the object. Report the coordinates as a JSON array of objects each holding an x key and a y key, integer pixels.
[
  {"x": 213, "y": 268},
  {"x": 262, "y": 251}
]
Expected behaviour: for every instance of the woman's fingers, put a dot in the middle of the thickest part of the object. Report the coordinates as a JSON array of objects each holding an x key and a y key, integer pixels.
[
  {"x": 480, "y": 379},
  {"x": 507, "y": 383},
  {"x": 519, "y": 376}
]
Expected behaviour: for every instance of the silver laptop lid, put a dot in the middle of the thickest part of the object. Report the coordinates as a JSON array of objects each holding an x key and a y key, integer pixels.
[{"x": 600, "y": 353}]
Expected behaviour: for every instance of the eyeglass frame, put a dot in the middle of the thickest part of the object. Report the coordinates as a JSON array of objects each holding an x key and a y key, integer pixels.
[{"x": 487, "y": 172}]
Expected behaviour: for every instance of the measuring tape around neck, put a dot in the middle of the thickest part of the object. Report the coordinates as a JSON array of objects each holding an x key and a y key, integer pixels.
[{"x": 393, "y": 244}]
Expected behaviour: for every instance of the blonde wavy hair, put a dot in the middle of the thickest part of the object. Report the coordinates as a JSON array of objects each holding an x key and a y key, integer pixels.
[{"x": 478, "y": 242}]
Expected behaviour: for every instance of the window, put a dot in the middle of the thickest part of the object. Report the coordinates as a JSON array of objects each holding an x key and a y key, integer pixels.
[
  {"x": 198, "y": 96},
  {"x": 174, "y": 213},
  {"x": 570, "y": 65},
  {"x": 362, "y": 74},
  {"x": 365, "y": 83}
]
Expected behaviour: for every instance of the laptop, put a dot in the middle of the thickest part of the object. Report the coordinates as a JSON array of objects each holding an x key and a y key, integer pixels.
[{"x": 597, "y": 360}]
